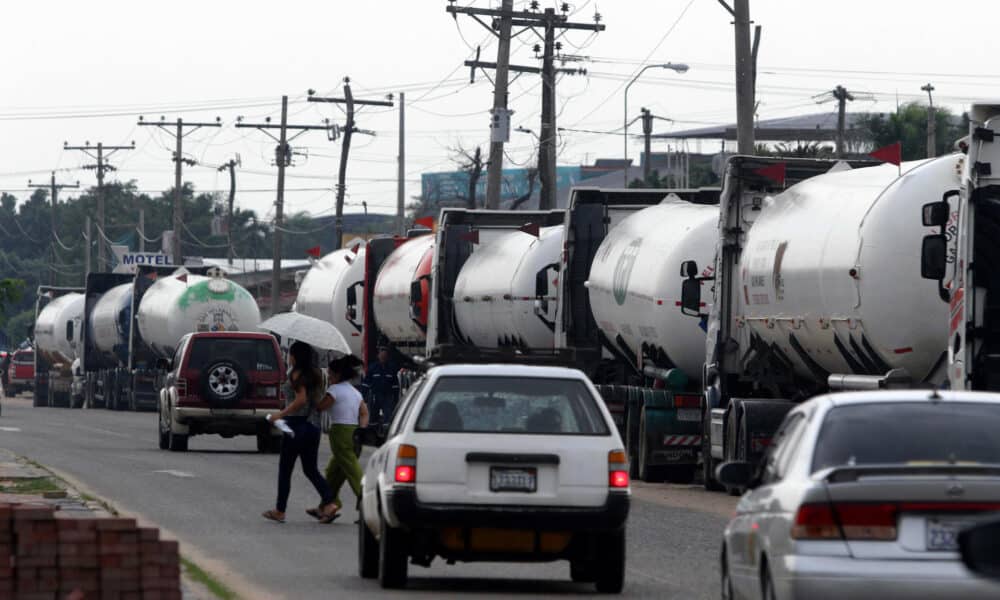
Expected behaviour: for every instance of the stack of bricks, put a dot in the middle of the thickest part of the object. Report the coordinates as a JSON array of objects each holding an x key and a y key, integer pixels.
[{"x": 47, "y": 555}]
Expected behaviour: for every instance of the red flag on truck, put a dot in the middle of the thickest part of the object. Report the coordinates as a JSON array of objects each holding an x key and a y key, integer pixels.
[
  {"x": 893, "y": 153},
  {"x": 183, "y": 278},
  {"x": 314, "y": 251},
  {"x": 530, "y": 229},
  {"x": 427, "y": 222},
  {"x": 775, "y": 173}
]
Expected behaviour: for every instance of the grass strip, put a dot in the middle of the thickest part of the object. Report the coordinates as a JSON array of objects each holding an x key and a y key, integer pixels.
[
  {"x": 213, "y": 585},
  {"x": 33, "y": 485}
]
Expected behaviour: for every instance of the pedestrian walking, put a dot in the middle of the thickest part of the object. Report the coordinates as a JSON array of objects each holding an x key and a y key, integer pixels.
[
  {"x": 382, "y": 384},
  {"x": 304, "y": 396},
  {"x": 347, "y": 411}
]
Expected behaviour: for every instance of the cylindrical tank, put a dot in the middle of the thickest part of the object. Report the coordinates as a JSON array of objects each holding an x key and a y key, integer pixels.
[
  {"x": 57, "y": 329},
  {"x": 498, "y": 286},
  {"x": 172, "y": 307},
  {"x": 323, "y": 293},
  {"x": 110, "y": 321},
  {"x": 635, "y": 287},
  {"x": 401, "y": 318},
  {"x": 830, "y": 272}
]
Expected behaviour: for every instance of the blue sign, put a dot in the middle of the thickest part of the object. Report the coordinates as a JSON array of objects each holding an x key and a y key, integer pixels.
[{"x": 453, "y": 185}]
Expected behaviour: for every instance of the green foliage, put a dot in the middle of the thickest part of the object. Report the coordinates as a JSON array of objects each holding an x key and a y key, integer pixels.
[
  {"x": 11, "y": 292},
  {"x": 909, "y": 126}
]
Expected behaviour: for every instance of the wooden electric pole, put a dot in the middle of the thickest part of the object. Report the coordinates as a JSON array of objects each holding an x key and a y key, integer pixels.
[
  {"x": 550, "y": 24},
  {"x": 283, "y": 159},
  {"x": 53, "y": 193},
  {"x": 86, "y": 248},
  {"x": 746, "y": 73},
  {"x": 349, "y": 129},
  {"x": 178, "y": 133},
  {"x": 100, "y": 153},
  {"x": 401, "y": 170},
  {"x": 231, "y": 167},
  {"x": 931, "y": 122},
  {"x": 841, "y": 95}
]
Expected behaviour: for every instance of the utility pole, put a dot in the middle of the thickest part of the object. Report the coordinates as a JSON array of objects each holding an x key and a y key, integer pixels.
[
  {"x": 283, "y": 158},
  {"x": 549, "y": 21},
  {"x": 401, "y": 169},
  {"x": 231, "y": 167},
  {"x": 86, "y": 248},
  {"x": 178, "y": 159},
  {"x": 647, "y": 133},
  {"x": 102, "y": 154},
  {"x": 53, "y": 193},
  {"x": 841, "y": 94},
  {"x": 746, "y": 73},
  {"x": 931, "y": 123},
  {"x": 348, "y": 130},
  {"x": 142, "y": 230}
]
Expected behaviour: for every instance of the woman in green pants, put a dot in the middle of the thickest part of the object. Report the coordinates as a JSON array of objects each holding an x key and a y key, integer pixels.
[{"x": 346, "y": 414}]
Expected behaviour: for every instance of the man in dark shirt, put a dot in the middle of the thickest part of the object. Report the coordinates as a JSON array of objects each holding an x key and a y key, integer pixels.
[{"x": 381, "y": 385}]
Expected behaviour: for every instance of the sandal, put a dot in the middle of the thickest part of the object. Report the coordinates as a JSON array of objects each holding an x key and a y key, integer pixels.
[
  {"x": 315, "y": 513},
  {"x": 325, "y": 518},
  {"x": 273, "y": 515}
]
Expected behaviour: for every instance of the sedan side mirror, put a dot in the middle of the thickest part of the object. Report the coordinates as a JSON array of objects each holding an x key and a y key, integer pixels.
[
  {"x": 735, "y": 474},
  {"x": 980, "y": 548}
]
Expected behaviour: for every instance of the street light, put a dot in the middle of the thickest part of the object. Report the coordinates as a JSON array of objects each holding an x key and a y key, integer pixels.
[{"x": 679, "y": 68}]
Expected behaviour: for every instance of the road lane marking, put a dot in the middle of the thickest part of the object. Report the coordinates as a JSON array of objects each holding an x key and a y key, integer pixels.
[
  {"x": 10, "y": 429},
  {"x": 173, "y": 473},
  {"x": 105, "y": 431}
]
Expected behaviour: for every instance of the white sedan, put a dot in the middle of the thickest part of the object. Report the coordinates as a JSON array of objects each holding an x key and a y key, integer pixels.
[
  {"x": 498, "y": 463},
  {"x": 863, "y": 495}
]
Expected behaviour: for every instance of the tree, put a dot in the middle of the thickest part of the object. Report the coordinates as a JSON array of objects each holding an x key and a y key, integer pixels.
[
  {"x": 532, "y": 176},
  {"x": 472, "y": 164},
  {"x": 11, "y": 292},
  {"x": 908, "y": 126}
]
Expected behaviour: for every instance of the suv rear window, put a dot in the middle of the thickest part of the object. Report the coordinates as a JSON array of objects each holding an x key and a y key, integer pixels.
[
  {"x": 531, "y": 405},
  {"x": 252, "y": 354},
  {"x": 899, "y": 433},
  {"x": 24, "y": 357}
]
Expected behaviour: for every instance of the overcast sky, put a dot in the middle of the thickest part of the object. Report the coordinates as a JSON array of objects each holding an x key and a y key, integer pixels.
[{"x": 83, "y": 71}]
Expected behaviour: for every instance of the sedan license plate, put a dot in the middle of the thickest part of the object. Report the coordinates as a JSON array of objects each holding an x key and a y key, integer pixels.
[
  {"x": 503, "y": 479},
  {"x": 689, "y": 414},
  {"x": 942, "y": 536}
]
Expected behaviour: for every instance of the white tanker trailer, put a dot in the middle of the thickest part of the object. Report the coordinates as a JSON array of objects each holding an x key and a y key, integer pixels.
[
  {"x": 817, "y": 287},
  {"x": 133, "y": 321},
  {"x": 329, "y": 292},
  {"x": 58, "y": 320},
  {"x": 401, "y": 294}
]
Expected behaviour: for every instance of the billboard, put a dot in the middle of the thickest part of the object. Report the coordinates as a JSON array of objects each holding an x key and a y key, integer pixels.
[{"x": 437, "y": 187}]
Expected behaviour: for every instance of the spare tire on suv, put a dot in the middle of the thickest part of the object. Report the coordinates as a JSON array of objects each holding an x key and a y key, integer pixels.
[{"x": 223, "y": 383}]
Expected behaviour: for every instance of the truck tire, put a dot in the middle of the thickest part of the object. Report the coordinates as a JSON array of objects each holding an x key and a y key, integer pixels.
[
  {"x": 393, "y": 555},
  {"x": 164, "y": 432},
  {"x": 736, "y": 446},
  {"x": 610, "y": 564},
  {"x": 178, "y": 442},
  {"x": 634, "y": 405},
  {"x": 582, "y": 571},
  {"x": 681, "y": 474},
  {"x": 708, "y": 463},
  {"x": 647, "y": 472},
  {"x": 224, "y": 383},
  {"x": 368, "y": 550},
  {"x": 268, "y": 444}
]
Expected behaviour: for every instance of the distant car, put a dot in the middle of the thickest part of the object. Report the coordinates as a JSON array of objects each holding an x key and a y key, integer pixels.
[
  {"x": 222, "y": 383},
  {"x": 863, "y": 495},
  {"x": 21, "y": 373},
  {"x": 499, "y": 463}
]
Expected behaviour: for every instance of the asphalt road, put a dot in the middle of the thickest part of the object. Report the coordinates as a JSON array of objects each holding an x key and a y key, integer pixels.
[{"x": 211, "y": 498}]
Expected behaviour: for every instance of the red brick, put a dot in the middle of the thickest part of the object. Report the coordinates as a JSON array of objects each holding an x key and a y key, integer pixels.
[
  {"x": 36, "y": 561},
  {"x": 33, "y": 512},
  {"x": 83, "y": 561},
  {"x": 149, "y": 534},
  {"x": 36, "y": 596},
  {"x": 115, "y": 524},
  {"x": 77, "y": 535}
]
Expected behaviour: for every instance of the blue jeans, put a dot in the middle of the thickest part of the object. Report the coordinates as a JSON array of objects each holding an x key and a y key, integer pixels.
[{"x": 304, "y": 445}]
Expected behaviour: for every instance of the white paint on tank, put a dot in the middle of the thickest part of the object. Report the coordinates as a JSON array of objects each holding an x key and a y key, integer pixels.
[
  {"x": 172, "y": 308},
  {"x": 838, "y": 257},
  {"x": 323, "y": 292},
  {"x": 495, "y": 300},
  {"x": 635, "y": 284},
  {"x": 391, "y": 298},
  {"x": 53, "y": 324}
]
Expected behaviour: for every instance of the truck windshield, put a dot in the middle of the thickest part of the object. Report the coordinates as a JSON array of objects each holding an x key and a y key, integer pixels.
[
  {"x": 251, "y": 354},
  {"x": 904, "y": 432},
  {"x": 532, "y": 405}
]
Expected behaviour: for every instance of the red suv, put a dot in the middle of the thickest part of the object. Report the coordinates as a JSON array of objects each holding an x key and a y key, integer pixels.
[
  {"x": 222, "y": 383},
  {"x": 21, "y": 373}
]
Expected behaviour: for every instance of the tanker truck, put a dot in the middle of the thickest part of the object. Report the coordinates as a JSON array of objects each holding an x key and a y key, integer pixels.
[
  {"x": 817, "y": 287},
  {"x": 329, "y": 292},
  {"x": 135, "y": 321},
  {"x": 58, "y": 320},
  {"x": 511, "y": 287}
]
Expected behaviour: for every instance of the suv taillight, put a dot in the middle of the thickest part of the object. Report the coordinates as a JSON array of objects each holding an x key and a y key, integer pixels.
[
  {"x": 182, "y": 387},
  {"x": 406, "y": 464},
  {"x": 617, "y": 469}
]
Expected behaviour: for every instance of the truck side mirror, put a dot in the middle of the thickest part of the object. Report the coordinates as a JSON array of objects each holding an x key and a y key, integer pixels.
[
  {"x": 689, "y": 268},
  {"x": 416, "y": 292},
  {"x": 541, "y": 283},
  {"x": 691, "y": 297},
  {"x": 165, "y": 364},
  {"x": 69, "y": 331},
  {"x": 352, "y": 296},
  {"x": 936, "y": 214},
  {"x": 933, "y": 253}
]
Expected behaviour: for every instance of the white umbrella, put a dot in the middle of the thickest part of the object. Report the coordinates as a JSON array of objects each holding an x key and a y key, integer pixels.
[{"x": 303, "y": 328}]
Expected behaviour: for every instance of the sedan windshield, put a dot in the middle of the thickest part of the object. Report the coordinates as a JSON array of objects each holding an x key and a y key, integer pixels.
[
  {"x": 908, "y": 433},
  {"x": 531, "y": 405}
]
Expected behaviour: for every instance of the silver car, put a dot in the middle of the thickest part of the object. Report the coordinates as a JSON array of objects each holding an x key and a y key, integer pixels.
[{"x": 862, "y": 495}]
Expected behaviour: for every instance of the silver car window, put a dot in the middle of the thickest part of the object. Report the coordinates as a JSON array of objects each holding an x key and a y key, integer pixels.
[
  {"x": 403, "y": 411},
  {"x": 781, "y": 452}
]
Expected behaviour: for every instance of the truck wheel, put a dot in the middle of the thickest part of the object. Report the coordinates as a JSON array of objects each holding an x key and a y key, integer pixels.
[
  {"x": 681, "y": 473},
  {"x": 368, "y": 550},
  {"x": 647, "y": 472},
  {"x": 268, "y": 444},
  {"x": 581, "y": 571},
  {"x": 392, "y": 556},
  {"x": 37, "y": 399},
  {"x": 737, "y": 445},
  {"x": 610, "y": 567},
  {"x": 707, "y": 462},
  {"x": 632, "y": 441},
  {"x": 164, "y": 431}
]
